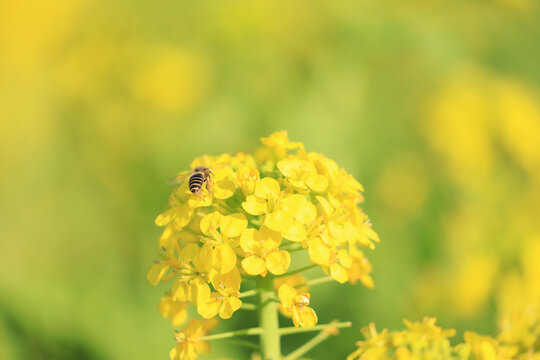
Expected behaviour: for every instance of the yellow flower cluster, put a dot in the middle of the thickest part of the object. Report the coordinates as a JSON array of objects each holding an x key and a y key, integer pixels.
[
  {"x": 424, "y": 340},
  {"x": 260, "y": 208},
  {"x": 421, "y": 340},
  {"x": 520, "y": 332}
]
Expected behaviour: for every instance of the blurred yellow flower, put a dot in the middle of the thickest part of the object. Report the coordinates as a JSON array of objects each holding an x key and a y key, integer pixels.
[
  {"x": 172, "y": 79},
  {"x": 174, "y": 310},
  {"x": 188, "y": 346}
]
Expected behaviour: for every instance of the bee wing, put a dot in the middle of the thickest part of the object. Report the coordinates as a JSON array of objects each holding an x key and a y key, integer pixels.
[
  {"x": 179, "y": 178},
  {"x": 219, "y": 165}
]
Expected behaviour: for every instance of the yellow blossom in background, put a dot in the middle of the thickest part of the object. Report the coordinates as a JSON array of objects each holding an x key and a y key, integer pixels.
[
  {"x": 174, "y": 310},
  {"x": 172, "y": 79},
  {"x": 485, "y": 128},
  {"x": 485, "y": 347}
]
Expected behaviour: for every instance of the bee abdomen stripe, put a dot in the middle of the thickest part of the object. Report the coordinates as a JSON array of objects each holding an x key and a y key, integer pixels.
[{"x": 195, "y": 182}]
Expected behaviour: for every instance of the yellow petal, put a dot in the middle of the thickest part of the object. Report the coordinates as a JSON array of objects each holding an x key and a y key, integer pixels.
[
  {"x": 267, "y": 188},
  {"x": 183, "y": 215},
  {"x": 229, "y": 306},
  {"x": 317, "y": 183},
  {"x": 294, "y": 230},
  {"x": 254, "y": 206},
  {"x": 223, "y": 189},
  {"x": 174, "y": 310},
  {"x": 209, "y": 307},
  {"x": 180, "y": 290},
  {"x": 304, "y": 316},
  {"x": 291, "y": 168},
  {"x": 319, "y": 253},
  {"x": 298, "y": 207},
  {"x": 202, "y": 261},
  {"x": 276, "y": 220},
  {"x": 167, "y": 240},
  {"x": 165, "y": 217},
  {"x": 174, "y": 354},
  {"x": 157, "y": 272},
  {"x": 336, "y": 230},
  {"x": 198, "y": 289},
  {"x": 278, "y": 262},
  {"x": 189, "y": 252},
  {"x": 233, "y": 225},
  {"x": 223, "y": 258},
  {"x": 351, "y": 233},
  {"x": 254, "y": 265},
  {"x": 344, "y": 259},
  {"x": 210, "y": 222},
  {"x": 325, "y": 205},
  {"x": 488, "y": 351},
  {"x": 248, "y": 241},
  {"x": 270, "y": 239},
  {"x": 195, "y": 201},
  {"x": 367, "y": 281},
  {"x": 338, "y": 273},
  {"x": 286, "y": 294},
  {"x": 228, "y": 283}
]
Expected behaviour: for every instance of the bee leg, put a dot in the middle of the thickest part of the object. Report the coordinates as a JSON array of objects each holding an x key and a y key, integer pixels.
[{"x": 209, "y": 186}]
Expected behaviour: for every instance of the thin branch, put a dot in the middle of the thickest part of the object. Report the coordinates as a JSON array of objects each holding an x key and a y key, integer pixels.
[
  {"x": 318, "y": 281},
  {"x": 230, "y": 334},
  {"x": 248, "y": 306},
  {"x": 295, "y": 330},
  {"x": 316, "y": 340},
  {"x": 248, "y": 293}
]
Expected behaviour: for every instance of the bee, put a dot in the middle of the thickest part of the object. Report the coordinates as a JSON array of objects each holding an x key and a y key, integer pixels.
[{"x": 198, "y": 177}]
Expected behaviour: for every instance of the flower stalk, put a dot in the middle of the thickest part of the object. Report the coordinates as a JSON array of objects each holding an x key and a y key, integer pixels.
[
  {"x": 296, "y": 330},
  {"x": 268, "y": 320}
]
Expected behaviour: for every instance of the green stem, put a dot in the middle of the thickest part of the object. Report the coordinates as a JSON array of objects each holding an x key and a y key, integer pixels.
[
  {"x": 268, "y": 320},
  {"x": 307, "y": 267},
  {"x": 295, "y": 330},
  {"x": 316, "y": 340},
  {"x": 230, "y": 334}
]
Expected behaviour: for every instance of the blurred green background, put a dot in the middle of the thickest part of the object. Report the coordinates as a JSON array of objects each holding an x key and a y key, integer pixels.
[{"x": 432, "y": 105}]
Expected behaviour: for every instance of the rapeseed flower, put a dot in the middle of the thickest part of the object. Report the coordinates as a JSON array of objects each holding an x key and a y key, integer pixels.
[
  {"x": 188, "y": 345},
  {"x": 296, "y": 306},
  {"x": 421, "y": 340},
  {"x": 260, "y": 209},
  {"x": 173, "y": 309}
]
